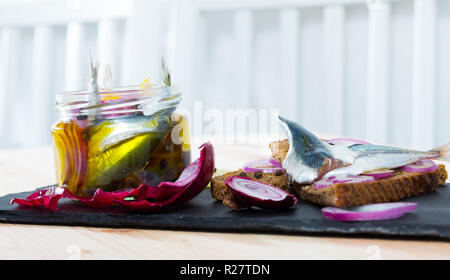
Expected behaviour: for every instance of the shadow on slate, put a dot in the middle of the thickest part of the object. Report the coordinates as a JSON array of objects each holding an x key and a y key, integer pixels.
[{"x": 431, "y": 220}]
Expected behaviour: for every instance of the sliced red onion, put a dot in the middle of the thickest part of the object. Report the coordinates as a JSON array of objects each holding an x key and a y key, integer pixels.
[
  {"x": 262, "y": 165},
  {"x": 345, "y": 141},
  {"x": 275, "y": 163},
  {"x": 329, "y": 181},
  {"x": 143, "y": 198},
  {"x": 247, "y": 193},
  {"x": 379, "y": 211},
  {"x": 421, "y": 166},
  {"x": 380, "y": 174},
  {"x": 323, "y": 183}
]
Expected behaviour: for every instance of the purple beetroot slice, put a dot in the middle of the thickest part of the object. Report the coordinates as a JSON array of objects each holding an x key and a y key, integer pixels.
[{"x": 247, "y": 192}]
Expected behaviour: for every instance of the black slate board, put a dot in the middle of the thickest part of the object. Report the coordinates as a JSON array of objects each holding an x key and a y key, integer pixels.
[{"x": 431, "y": 220}]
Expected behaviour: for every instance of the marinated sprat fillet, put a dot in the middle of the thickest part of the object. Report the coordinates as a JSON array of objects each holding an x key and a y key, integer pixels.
[
  {"x": 118, "y": 153},
  {"x": 116, "y": 139}
]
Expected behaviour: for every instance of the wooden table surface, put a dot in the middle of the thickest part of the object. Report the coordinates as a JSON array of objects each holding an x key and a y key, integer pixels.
[{"x": 26, "y": 169}]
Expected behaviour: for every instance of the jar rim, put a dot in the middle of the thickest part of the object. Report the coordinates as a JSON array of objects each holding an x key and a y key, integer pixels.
[
  {"x": 117, "y": 90},
  {"x": 119, "y": 101}
]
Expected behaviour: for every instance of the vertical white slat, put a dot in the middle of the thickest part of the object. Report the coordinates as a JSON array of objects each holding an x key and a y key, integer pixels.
[
  {"x": 172, "y": 29},
  {"x": 147, "y": 40},
  {"x": 200, "y": 66},
  {"x": 311, "y": 69},
  {"x": 422, "y": 118},
  {"x": 401, "y": 67},
  {"x": 5, "y": 46},
  {"x": 125, "y": 76},
  {"x": 41, "y": 97},
  {"x": 243, "y": 40},
  {"x": 184, "y": 55},
  {"x": 106, "y": 40},
  {"x": 290, "y": 28},
  {"x": 74, "y": 45},
  {"x": 378, "y": 72},
  {"x": 356, "y": 47},
  {"x": 15, "y": 88},
  {"x": 333, "y": 66},
  {"x": 443, "y": 72}
]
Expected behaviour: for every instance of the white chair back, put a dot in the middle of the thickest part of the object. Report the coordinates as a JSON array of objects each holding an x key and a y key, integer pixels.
[
  {"x": 44, "y": 49},
  {"x": 371, "y": 69}
]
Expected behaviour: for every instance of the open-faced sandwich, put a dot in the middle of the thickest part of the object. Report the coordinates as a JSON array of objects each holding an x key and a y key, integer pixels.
[{"x": 337, "y": 172}]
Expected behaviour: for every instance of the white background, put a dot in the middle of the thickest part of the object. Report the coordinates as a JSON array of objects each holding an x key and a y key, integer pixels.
[{"x": 336, "y": 66}]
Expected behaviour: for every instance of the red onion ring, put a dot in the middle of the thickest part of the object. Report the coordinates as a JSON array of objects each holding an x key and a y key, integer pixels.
[
  {"x": 323, "y": 183},
  {"x": 421, "y": 166},
  {"x": 379, "y": 211},
  {"x": 380, "y": 174},
  {"x": 247, "y": 192},
  {"x": 345, "y": 141},
  {"x": 275, "y": 163},
  {"x": 191, "y": 182},
  {"x": 263, "y": 166},
  {"x": 329, "y": 181}
]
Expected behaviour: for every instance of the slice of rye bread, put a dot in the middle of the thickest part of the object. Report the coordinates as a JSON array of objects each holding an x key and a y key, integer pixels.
[
  {"x": 398, "y": 186},
  {"x": 221, "y": 192},
  {"x": 279, "y": 149}
]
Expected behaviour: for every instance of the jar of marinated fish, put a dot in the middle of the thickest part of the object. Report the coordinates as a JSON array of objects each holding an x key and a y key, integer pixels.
[{"x": 133, "y": 136}]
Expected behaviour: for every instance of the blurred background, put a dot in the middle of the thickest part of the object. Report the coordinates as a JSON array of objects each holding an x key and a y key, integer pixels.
[{"x": 371, "y": 69}]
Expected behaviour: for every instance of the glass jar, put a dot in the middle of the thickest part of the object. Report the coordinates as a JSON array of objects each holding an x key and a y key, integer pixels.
[{"x": 135, "y": 136}]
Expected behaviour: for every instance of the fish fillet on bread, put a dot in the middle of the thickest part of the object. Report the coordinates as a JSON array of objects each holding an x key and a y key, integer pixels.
[
  {"x": 399, "y": 185},
  {"x": 323, "y": 159}
]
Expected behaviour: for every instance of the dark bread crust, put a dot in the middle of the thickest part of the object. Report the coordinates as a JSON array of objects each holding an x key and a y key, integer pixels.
[
  {"x": 221, "y": 192},
  {"x": 398, "y": 186}
]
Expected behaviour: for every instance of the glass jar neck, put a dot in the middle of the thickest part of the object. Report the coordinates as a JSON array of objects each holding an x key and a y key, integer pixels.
[{"x": 119, "y": 102}]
